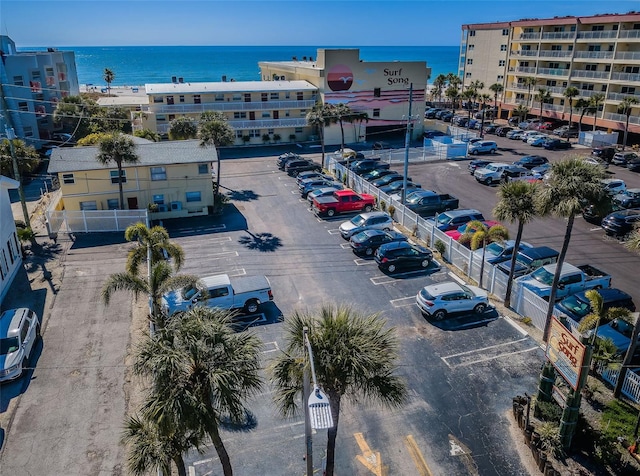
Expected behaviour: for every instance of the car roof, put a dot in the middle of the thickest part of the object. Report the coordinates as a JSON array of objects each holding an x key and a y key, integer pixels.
[
  {"x": 443, "y": 288},
  {"x": 374, "y": 214},
  {"x": 611, "y": 180},
  {"x": 10, "y": 321},
  {"x": 629, "y": 212},
  {"x": 608, "y": 295},
  {"x": 460, "y": 212},
  {"x": 538, "y": 252}
]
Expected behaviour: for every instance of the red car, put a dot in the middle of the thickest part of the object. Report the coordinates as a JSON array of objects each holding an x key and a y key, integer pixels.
[{"x": 456, "y": 234}]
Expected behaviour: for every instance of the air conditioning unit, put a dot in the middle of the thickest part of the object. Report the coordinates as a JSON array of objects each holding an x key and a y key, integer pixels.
[
  {"x": 162, "y": 208},
  {"x": 176, "y": 206}
]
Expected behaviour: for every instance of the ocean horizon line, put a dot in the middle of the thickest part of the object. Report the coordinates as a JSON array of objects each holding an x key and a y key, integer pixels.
[{"x": 21, "y": 48}]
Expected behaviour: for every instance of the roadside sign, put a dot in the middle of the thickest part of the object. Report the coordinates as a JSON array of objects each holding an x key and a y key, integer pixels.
[{"x": 565, "y": 352}]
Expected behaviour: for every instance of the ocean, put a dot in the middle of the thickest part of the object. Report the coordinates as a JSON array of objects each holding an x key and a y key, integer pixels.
[{"x": 138, "y": 65}]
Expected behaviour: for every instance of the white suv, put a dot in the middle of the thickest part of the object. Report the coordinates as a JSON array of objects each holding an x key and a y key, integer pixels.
[
  {"x": 19, "y": 332},
  {"x": 490, "y": 173},
  {"x": 483, "y": 147}
]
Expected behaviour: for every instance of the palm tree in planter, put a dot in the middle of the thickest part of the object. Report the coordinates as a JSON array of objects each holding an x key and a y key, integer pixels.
[
  {"x": 119, "y": 149},
  {"x": 266, "y": 138},
  {"x": 478, "y": 235},
  {"x": 201, "y": 372},
  {"x": 625, "y": 107},
  {"x": 515, "y": 204},
  {"x": 354, "y": 355},
  {"x": 595, "y": 100},
  {"x": 573, "y": 182},
  {"x": 108, "y": 76},
  {"x": 276, "y": 137},
  {"x": 570, "y": 93},
  {"x": 497, "y": 89}
]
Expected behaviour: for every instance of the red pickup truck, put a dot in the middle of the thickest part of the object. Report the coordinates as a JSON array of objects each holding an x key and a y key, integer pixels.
[{"x": 343, "y": 201}]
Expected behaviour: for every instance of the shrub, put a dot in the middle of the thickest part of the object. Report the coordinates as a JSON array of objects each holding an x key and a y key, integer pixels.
[
  {"x": 276, "y": 137},
  {"x": 440, "y": 247},
  {"x": 266, "y": 138},
  {"x": 246, "y": 139},
  {"x": 548, "y": 411},
  {"x": 383, "y": 206},
  {"x": 550, "y": 438},
  {"x": 392, "y": 210},
  {"x": 26, "y": 234}
]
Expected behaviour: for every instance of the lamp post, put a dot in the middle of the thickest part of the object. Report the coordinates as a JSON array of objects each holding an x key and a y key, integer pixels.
[{"x": 317, "y": 409}]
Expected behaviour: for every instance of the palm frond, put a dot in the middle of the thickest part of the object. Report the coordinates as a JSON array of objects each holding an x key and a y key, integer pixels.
[{"x": 123, "y": 282}]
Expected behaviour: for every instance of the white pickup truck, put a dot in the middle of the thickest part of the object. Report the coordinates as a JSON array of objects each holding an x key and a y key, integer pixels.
[
  {"x": 573, "y": 279},
  {"x": 221, "y": 291}
]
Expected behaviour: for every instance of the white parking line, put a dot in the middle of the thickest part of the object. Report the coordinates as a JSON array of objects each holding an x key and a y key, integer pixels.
[
  {"x": 335, "y": 231},
  {"x": 402, "y": 302},
  {"x": 464, "y": 363},
  {"x": 272, "y": 343},
  {"x": 220, "y": 239},
  {"x": 484, "y": 348},
  {"x": 595, "y": 228},
  {"x": 363, "y": 262},
  {"x": 303, "y": 200},
  {"x": 223, "y": 254},
  {"x": 238, "y": 272},
  {"x": 485, "y": 359},
  {"x": 382, "y": 280},
  {"x": 515, "y": 326},
  {"x": 345, "y": 246}
]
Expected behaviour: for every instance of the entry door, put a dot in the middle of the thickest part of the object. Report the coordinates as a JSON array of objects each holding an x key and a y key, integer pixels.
[
  {"x": 252, "y": 115},
  {"x": 132, "y": 203},
  {"x": 276, "y": 114}
]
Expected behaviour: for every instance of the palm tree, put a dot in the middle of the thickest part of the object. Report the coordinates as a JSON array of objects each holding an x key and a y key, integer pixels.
[
  {"x": 543, "y": 95},
  {"x": 438, "y": 86},
  {"x": 484, "y": 98},
  {"x": 570, "y": 93},
  {"x": 358, "y": 118},
  {"x": 119, "y": 149},
  {"x": 454, "y": 80},
  {"x": 625, "y": 108},
  {"x": 515, "y": 204},
  {"x": 453, "y": 95},
  {"x": 318, "y": 119},
  {"x": 151, "y": 449},
  {"x": 477, "y": 235},
  {"x": 155, "y": 241},
  {"x": 530, "y": 82},
  {"x": 596, "y": 99},
  {"x": 584, "y": 106},
  {"x": 521, "y": 112},
  {"x": 497, "y": 89},
  {"x": 108, "y": 76},
  {"x": 354, "y": 357},
  {"x": 214, "y": 130},
  {"x": 469, "y": 95},
  {"x": 339, "y": 114},
  {"x": 201, "y": 371},
  {"x": 182, "y": 128},
  {"x": 573, "y": 182},
  {"x": 160, "y": 281}
]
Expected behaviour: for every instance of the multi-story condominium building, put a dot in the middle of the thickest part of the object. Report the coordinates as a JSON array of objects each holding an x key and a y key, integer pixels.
[
  {"x": 10, "y": 250},
  {"x": 32, "y": 84},
  {"x": 379, "y": 89},
  {"x": 258, "y": 111},
  {"x": 599, "y": 55}
]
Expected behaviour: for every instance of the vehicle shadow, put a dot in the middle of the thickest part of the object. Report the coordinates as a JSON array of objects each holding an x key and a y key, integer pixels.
[
  {"x": 463, "y": 321},
  {"x": 247, "y": 423},
  {"x": 433, "y": 267},
  {"x": 264, "y": 242},
  {"x": 269, "y": 313}
]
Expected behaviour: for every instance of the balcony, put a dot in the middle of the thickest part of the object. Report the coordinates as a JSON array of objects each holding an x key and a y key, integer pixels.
[
  {"x": 518, "y": 86},
  {"x": 555, "y": 89},
  {"x": 621, "y": 96},
  {"x": 553, "y": 107},
  {"x": 591, "y": 35},
  {"x": 553, "y": 71},
  {"x": 593, "y": 54},
  {"x": 587, "y": 93},
  {"x": 629, "y": 34},
  {"x": 523, "y": 69},
  {"x": 581, "y": 73},
  {"x": 633, "y": 119},
  {"x": 559, "y": 35},
  {"x": 269, "y": 123},
  {"x": 625, "y": 77},
  {"x": 530, "y": 36},
  {"x": 527, "y": 53},
  {"x": 229, "y": 106},
  {"x": 555, "y": 54},
  {"x": 628, "y": 55}
]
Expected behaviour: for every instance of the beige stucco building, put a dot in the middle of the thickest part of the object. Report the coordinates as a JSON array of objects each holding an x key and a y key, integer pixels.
[
  {"x": 379, "y": 89},
  {"x": 175, "y": 176},
  {"x": 595, "y": 54}
]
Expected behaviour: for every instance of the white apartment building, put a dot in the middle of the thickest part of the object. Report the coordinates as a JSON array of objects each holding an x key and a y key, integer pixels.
[
  {"x": 595, "y": 54},
  {"x": 10, "y": 250},
  {"x": 32, "y": 84}
]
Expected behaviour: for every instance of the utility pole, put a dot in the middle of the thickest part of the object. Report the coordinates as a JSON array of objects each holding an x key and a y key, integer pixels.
[{"x": 407, "y": 141}]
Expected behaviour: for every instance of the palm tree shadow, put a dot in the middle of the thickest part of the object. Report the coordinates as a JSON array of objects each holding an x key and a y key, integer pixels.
[
  {"x": 246, "y": 423},
  {"x": 242, "y": 195},
  {"x": 264, "y": 242}
]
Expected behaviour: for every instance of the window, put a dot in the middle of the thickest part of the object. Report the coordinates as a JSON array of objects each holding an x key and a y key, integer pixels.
[
  {"x": 551, "y": 82},
  {"x": 264, "y": 96},
  {"x": 18, "y": 80},
  {"x": 172, "y": 117},
  {"x": 467, "y": 75},
  {"x": 193, "y": 196},
  {"x": 591, "y": 67},
  {"x": 472, "y": 33},
  {"x": 239, "y": 115},
  {"x": 68, "y": 179},
  {"x": 505, "y": 32},
  {"x": 114, "y": 176},
  {"x": 11, "y": 252},
  {"x": 196, "y": 99},
  {"x": 556, "y": 47},
  {"x": 239, "y": 134},
  {"x": 274, "y": 96},
  {"x": 203, "y": 168},
  {"x": 158, "y": 173},
  {"x": 298, "y": 130},
  {"x": 632, "y": 69},
  {"x": 587, "y": 86},
  {"x": 169, "y": 99},
  {"x": 376, "y": 92},
  {"x": 469, "y": 60},
  {"x": 376, "y": 113},
  {"x": 627, "y": 90},
  {"x": 88, "y": 205},
  {"x": 113, "y": 204},
  {"x": 181, "y": 98},
  {"x": 158, "y": 199},
  {"x": 28, "y": 131},
  {"x": 266, "y": 114},
  {"x": 161, "y": 118},
  {"x": 219, "y": 97},
  {"x": 471, "y": 47},
  {"x": 500, "y": 78},
  {"x": 554, "y": 65},
  {"x": 218, "y": 292},
  {"x": 299, "y": 96},
  {"x": 237, "y": 97},
  {"x": 35, "y": 75},
  {"x": 502, "y": 63},
  {"x": 23, "y": 106},
  {"x": 593, "y": 48},
  {"x": 503, "y": 47},
  {"x": 597, "y": 28}
]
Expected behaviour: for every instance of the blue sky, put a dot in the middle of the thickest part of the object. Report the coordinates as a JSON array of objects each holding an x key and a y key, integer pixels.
[{"x": 294, "y": 22}]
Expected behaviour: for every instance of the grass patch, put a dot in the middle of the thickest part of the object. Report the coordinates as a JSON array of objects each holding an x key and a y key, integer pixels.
[{"x": 618, "y": 419}]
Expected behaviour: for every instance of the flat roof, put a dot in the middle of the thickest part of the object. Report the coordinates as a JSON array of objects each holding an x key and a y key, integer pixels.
[
  {"x": 565, "y": 20},
  {"x": 229, "y": 86},
  {"x": 72, "y": 159}
]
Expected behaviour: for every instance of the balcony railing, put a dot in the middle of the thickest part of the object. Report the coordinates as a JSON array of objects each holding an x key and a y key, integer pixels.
[
  {"x": 621, "y": 96},
  {"x": 597, "y": 34},
  {"x": 523, "y": 69},
  {"x": 559, "y": 35},
  {"x": 555, "y": 89},
  {"x": 633, "y": 119},
  {"x": 587, "y": 93},
  {"x": 229, "y": 106},
  {"x": 518, "y": 86},
  {"x": 625, "y": 76},
  {"x": 594, "y": 54},
  {"x": 580, "y": 73},
  {"x": 269, "y": 123},
  {"x": 629, "y": 34},
  {"x": 555, "y": 54},
  {"x": 530, "y": 36},
  {"x": 528, "y": 53},
  {"x": 553, "y": 71},
  {"x": 628, "y": 55}
]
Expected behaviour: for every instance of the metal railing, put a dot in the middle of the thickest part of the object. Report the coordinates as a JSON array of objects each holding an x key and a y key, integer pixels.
[
  {"x": 228, "y": 106},
  {"x": 581, "y": 73},
  {"x": 593, "y": 54},
  {"x": 597, "y": 34},
  {"x": 621, "y": 96},
  {"x": 559, "y": 35},
  {"x": 523, "y": 69},
  {"x": 627, "y": 55},
  {"x": 625, "y": 76},
  {"x": 524, "y": 53},
  {"x": 553, "y": 71},
  {"x": 555, "y": 54},
  {"x": 629, "y": 34},
  {"x": 612, "y": 116},
  {"x": 530, "y": 36}
]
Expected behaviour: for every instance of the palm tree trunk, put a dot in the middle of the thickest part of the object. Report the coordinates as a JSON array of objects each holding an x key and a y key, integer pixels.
[
  {"x": 580, "y": 123},
  {"x": 626, "y": 363},
  {"x": 179, "y": 462},
  {"x": 341, "y": 135},
  {"x": 556, "y": 276},
  {"x": 484, "y": 251},
  {"x": 626, "y": 131},
  {"x": 214, "y": 434},
  {"x": 570, "y": 113},
  {"x": 120, "y": 186},
  {"x": 332, "y": 433},
  {"x": 512, "y": 268}
]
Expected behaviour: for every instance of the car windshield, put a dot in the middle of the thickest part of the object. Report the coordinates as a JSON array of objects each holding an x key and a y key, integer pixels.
[
  {"x": 188, "y": 292},
  {"x": 494, "y": 249},
  {"x": 578, "y": 307},
  {"x": 443, "y": 219},
  {"x": 493, "y": 168},
  {"x": 9, "y": 345},
  {"x": 543, "y": 276},
  {"x": 358, "y": 220}
]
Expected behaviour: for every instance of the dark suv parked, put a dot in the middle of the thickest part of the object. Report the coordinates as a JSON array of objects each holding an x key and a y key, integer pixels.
[
  {"x": 531, "y": 161},
  {"x": 294, "y": 167},
  {"x": 578, "y": 305},
  {"x": 621, "y": 222},
  {"x": 402, "y": 255},
  {"x": 604, "y": 153}
]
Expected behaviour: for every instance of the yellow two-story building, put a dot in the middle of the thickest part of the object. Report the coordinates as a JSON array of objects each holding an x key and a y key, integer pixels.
[{"x": 172, "y": 179}]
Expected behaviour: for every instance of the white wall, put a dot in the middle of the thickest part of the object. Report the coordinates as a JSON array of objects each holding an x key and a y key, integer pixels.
[{"x": 10, "y": 255}]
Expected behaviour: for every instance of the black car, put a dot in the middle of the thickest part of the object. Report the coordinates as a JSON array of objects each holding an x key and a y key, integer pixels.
[
  {"x": 621, "y": 222},
  {"x": 578, "y": 305},
  {"x": 364, "y": 166},
  {"x": 376, "y": 174},
  {"x": 531, "y": 161},
  {"x": 634, "y": 164},
  {"x": 604, "y": 153},
  {"x": 447, "y": 117},
  {"x": 396, "y": 187},
  {"x": 477, "y": 164},
  {"x": 294, "y": 167},
  {"x": 388, "y": 179},
  {"x": 569, "y": 133},
  {"x": 557, "y": 144},
  {"x": 368, "y": 241},
  {"x": 491, "y": 128},
  {"x": 595, "y": 214},
  {"x": 502, "y": 131},
  {"x": 282, "y": 160},
  {"x": 431, "y": 134},
  {"x": 402, "y": 255}
]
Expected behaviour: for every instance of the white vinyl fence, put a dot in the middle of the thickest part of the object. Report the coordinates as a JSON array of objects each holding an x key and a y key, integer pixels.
[{"x": 93, "y": 221}]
